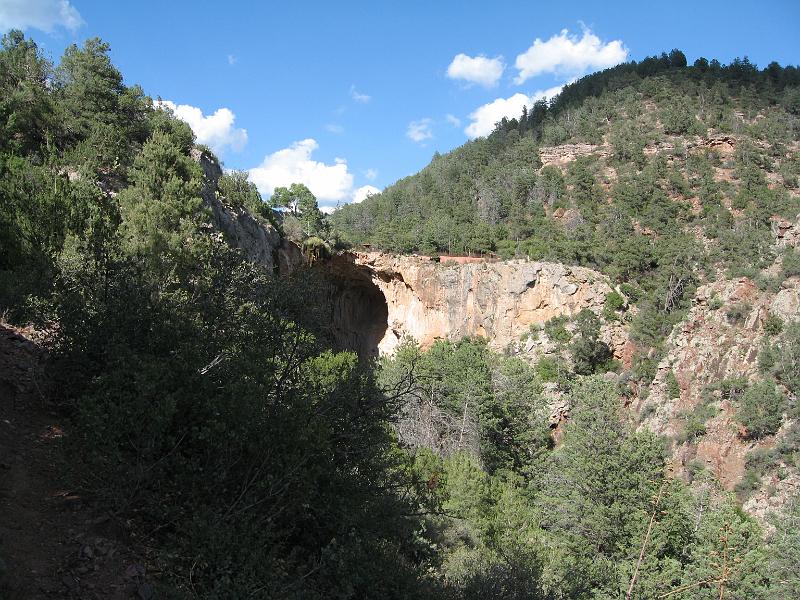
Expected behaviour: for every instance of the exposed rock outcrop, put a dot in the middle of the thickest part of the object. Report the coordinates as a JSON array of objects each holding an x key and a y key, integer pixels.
[
  {"x": 260, "y": 242},
  {"x": 719, "y": 339},
  {"x": 566, "y": 153},
  {"x": 496, "y": 300},
  {"x": 787, "y": 233}
]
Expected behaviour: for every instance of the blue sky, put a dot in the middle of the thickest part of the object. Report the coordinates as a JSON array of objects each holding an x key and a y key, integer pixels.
[{"x": 353, "y": 94}]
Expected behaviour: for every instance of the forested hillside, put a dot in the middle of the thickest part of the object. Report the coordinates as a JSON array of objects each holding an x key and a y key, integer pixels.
[
  {"x": 240, "y": 454},
  {"x": 675, "y": 181}
]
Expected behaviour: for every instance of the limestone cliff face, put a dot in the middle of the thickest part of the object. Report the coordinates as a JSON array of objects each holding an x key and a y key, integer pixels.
[
  {"x": 428, "y": 300},
  {"x": 260, "y": 242}
]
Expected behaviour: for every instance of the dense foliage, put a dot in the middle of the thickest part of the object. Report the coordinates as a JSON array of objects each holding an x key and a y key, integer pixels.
[
  {"x": 211, "y": 414},
  {"x": 492, "y": 194},
  {"x": 206, "y": 405},
  {"x": 512, "y": 518}
]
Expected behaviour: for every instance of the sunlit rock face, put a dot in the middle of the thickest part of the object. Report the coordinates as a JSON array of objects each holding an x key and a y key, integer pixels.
[
  {"x": 428, "y": 300},
  {"x": 706, "y": 348}
]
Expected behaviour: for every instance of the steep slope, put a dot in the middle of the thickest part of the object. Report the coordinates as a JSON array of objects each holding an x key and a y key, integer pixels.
[{"x": 259, "y": 240}]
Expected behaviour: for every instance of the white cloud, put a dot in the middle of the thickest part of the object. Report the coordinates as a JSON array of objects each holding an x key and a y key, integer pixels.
[
  {"x": 357, "y": 96},
  {"x": 295, "y": 165},
  {"x": 334, "y": 128},
  {"x": 484, "y": 117},
  {"x": 453, "y": 120},
  {"x": 232, "y": 59},
  {"x": 365, "y": 191},
  {"x": 419, "y": 131},
  {"x": 568, "y": 54},
  {"x": 216, "y": 131},
  {"x": 479, "y": 69},
  {"x": 45, "y": 15},
  {"x": 371, "y": 174}
]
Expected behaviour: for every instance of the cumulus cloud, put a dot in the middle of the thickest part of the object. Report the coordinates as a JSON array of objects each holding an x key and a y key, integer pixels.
[
  {"x": 419, "y": 131},
  {"x": 328, "y": 182},
  {"x": 359, "y": 97},
  {"x": 484, "y": 117},
  {"x": 45, "y": 15},
  {"x": 453, "y": 120},
  {"x": 216, "y": 130},
  {"x": 477, "y": 69},
  {"x": 365, "y": 191},
  {"x": 568, "y": 54}
]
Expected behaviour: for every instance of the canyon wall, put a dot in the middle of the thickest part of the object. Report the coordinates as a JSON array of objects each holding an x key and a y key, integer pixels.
[
  {"x": 428, "y": 300},
  {"x": 707, "y": 347},
  {"x": 260, "y": 242}
]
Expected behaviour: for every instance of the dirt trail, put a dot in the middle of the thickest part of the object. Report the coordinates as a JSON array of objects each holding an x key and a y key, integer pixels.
[{"x": 53, "y": 542}]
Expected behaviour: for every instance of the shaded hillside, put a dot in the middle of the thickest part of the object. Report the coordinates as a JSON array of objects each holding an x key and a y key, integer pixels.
[{"x": 198, "y": 396}]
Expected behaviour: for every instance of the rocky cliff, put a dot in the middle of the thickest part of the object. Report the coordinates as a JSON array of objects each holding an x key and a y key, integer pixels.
[
  {"x": 258, "y": 240},
  {"x": 428, "y": 300},
  {"x": 719, "y": 340}
]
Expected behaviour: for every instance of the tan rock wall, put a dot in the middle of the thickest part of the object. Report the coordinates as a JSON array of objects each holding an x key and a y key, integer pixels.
[{"x": 497, "y": 300}]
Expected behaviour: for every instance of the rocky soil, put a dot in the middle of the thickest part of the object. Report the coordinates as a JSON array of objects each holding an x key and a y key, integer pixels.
[{"x": 54, "y": 543}]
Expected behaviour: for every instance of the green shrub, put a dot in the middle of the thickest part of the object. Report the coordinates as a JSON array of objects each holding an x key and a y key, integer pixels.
[
  {"x": 750, "y": 482},
  {"x": 767, "y": 283},
  {"x": 760, "y": 460},
  {"x": 589, "y": 353},
  {"x": 645, "y": 367},
  {"x": 556, "y": 330},
  {"x": 631, "y": 291},
  {"x": 694, "y": 421},
  {"x": 550, "y": 369},
  {"x": 316, "y": 248},
  {"x": 673, "y": 388},
  {"x": 761, "y": 410},
  {"x": 767, "y": 358},
  {"x": 736, "y": 313},
  {"x": 612, "y": 306},
  {"x": 785, "y": 353},
  {"x": 731, "y": 388},
  {"x": 647, "y": 410},
  {"x": 693, "y": 428},
  {"x": 614, "y": 302},
  {"x": 791, "y": 263},
  {"x": 694, "y": 468},
  {"x": 773, "y": 325},
  {"x": 788, "y": 447},
  {"x": 715, "y": 303},
  {"x": 532, "y": 334}
]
